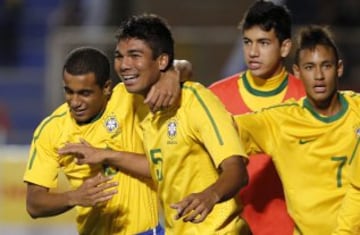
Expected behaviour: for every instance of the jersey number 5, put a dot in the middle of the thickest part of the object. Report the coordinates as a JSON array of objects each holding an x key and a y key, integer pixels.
[{"x": 157, "y": 160}]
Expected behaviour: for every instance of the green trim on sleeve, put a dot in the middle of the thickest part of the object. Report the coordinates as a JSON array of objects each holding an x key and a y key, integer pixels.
[
  {"x": 215, "y": 127},
  {"x": 32, "y": 159},
  {"x": 33, "y": 155},
  {"x": 355, "y": 150}
]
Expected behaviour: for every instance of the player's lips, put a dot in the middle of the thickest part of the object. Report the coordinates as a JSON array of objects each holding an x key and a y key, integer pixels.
[
  {"x": 78, "y": 112},
  {"x": 253, "y": 65},
  {"x": 319, "y": 88}
]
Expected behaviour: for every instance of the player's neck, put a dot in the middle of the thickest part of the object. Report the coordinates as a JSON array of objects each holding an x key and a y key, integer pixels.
[
  {"x": 266, "y": 84},
  {"x": 328, "y": 107}
]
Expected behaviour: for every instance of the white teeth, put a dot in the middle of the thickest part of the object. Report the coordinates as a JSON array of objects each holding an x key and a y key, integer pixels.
[{"x": 128, "y": 77}]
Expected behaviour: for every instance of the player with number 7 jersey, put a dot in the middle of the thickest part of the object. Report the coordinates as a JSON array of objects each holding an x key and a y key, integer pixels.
[
  {"x": 311, "y": 141},
  {"x": 311, "y": 153}
]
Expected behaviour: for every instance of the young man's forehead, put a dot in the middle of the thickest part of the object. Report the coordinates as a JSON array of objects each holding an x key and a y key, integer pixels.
[
  {"x": 316, "y": 49},
  {"x": 317, "y": 55},
  {"x": 258, "y": 30}
]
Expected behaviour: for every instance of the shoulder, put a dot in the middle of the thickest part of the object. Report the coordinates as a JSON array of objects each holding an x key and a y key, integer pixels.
[
  {"x": 54, "y": 121},
  {"x": 59, "y": 114},
  {"x": 225, "y": 82},
  {"x": 351, "y": 96},
  {"x": 196, "y": 92},
  {"x": 192, "y": 89},
  {"x": 119, "y": 90},
  {"x": 287, "y": 107},
  {"x": 120, "y": 97}
]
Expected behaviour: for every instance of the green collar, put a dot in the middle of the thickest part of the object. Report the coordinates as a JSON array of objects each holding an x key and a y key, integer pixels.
[
  {"x": 256, "y": 92},
  {"x": 344, "y": 107}
]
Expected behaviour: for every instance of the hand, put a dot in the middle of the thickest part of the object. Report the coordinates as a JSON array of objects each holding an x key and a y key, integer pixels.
[
  {"x": 93, "y": 191},
  {"x": 185, "y": 69},
  {"x": 195, "y": 207},
  {"x": 165, "y": 91},
  {"x": 84, "y": 152}
]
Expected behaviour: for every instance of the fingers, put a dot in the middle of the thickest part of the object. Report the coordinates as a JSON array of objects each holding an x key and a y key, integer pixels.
[
  {"x": 194, "y": 208},
  {"x": 191, "y": 210},
  {"x": 97, "y": 189},
  {"x": 98, "y": 179},
  {"x": 157, "y": 99},
  {"x": 161, "y": 101},
  {"x": 150, "y": 96},
  {"x": 69, "y": 148},
  {"x": 83, "y": 141},
  {"x": 74, "y": 148},
  {"x": 105, "y": 196},
  {"x": 162, "y": 96}
]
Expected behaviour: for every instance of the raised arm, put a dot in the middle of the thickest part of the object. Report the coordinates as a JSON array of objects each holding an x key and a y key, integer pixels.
[
  {"x": 40, "y": 202},
  {"x": 166, "y": 91}
]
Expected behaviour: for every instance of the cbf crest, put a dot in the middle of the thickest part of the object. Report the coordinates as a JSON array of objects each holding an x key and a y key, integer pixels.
[
  {"x": 111, "y": 124},
  {"x": 172, "y": 128}
]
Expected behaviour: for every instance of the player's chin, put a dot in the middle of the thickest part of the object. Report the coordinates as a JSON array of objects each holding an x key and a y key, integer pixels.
[
  {"x": 258, "y": 72},
  {"x": 82, "y": 119}
]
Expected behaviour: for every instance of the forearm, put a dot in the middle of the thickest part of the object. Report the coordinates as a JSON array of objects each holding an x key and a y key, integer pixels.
[
  {"x": 129, "y": 162},
  {"x": 44, "y": 203},
  {"x": 132, "y": 163},
  {"x": 233, "y": 177},
  {"x": 96, "y": 189}
]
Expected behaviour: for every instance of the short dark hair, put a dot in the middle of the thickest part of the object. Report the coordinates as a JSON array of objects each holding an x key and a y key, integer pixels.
[
  {"x": 267, "y": 15},
  {"x": 313, "y": 35},
  {"x": 153, "y": 30},
  {"x": 84, "y": 60}
]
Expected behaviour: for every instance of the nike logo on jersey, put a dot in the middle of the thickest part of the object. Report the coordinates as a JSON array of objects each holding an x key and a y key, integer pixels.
[{"x": 305, "y": 141}]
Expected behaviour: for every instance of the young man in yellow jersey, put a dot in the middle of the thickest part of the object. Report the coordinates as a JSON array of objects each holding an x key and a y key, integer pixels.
[
  {"x": 266, "y": 32},
  {"x": 312, "y": 140},
  {"x": 107, "y": 201},
  {"x": 192, "y": 148}
]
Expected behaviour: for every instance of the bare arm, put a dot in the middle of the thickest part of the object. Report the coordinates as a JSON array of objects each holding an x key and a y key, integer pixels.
[
  {"x": 132, "y": 163},
  {"x": 40, "y": 202},
  {"x": 166, "y": 91},
  {"x": 195, "y": 207}
]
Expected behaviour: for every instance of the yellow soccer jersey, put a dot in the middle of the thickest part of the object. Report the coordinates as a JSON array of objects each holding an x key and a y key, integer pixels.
[
  {"x": 349, "y": 216},
  {"x": 311, "y": 154},
  {"x": 134, "y": 208},
  {"x": 185, "y": 146}
]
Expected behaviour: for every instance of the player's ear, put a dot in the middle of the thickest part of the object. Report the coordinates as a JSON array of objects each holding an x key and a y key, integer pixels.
[
  {"x": 107, "y": 87},
  {"x": 296, "y": 70},
  {"x": 163, "y": 61},
  {"x": 340, "y": 68},
  {"x": 285, "y": 48}
]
